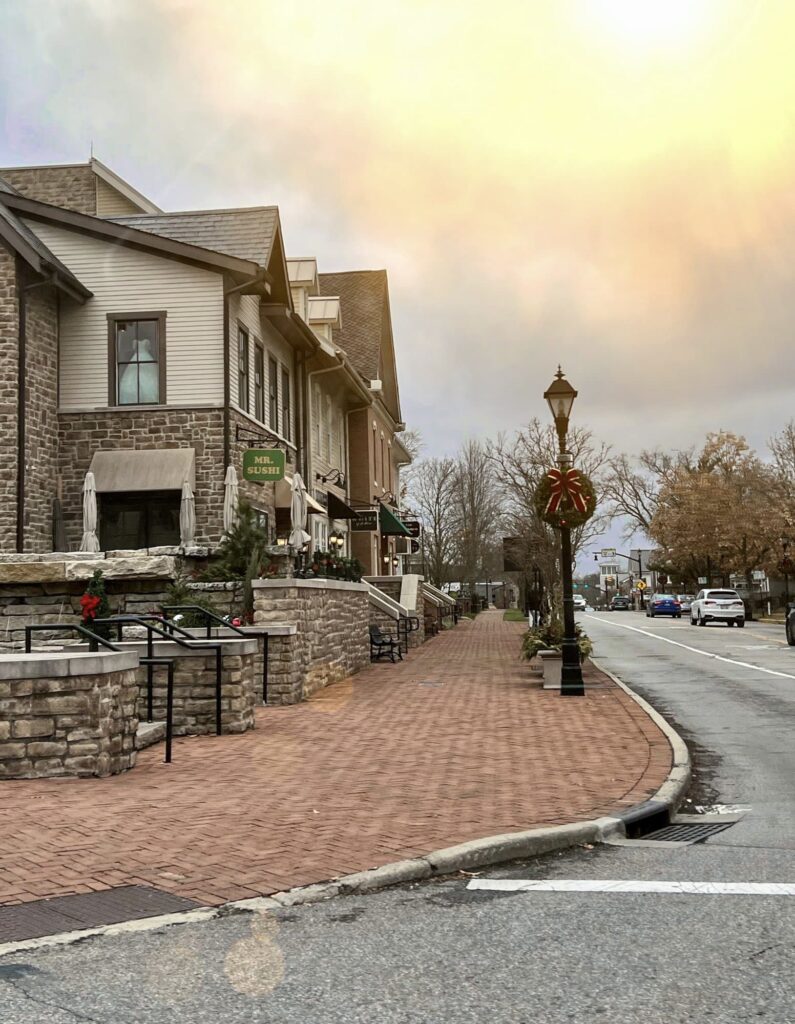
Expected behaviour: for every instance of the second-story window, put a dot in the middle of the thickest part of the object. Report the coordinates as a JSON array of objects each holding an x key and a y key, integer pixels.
[
  {"x": 137, "y": 371},
  {"x": 259, "y": 383},
  {"x": 273, "y": 395},
  {"x": 286, "y": 418},
  {"x": 242, "y": 368}
]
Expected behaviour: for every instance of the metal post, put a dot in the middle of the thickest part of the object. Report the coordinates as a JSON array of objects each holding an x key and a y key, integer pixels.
[
  {"x": 218, "y": 692},
  {"x": 169, "y": 711},
  {"x": 571, "y": 684},
  {"x": 265, "y": 641},
  {"x": 150, "y": 673}
]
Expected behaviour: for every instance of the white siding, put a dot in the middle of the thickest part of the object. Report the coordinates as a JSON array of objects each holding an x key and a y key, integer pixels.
[
  {"x": 124, "y": 281},
  {"x": 111, "y": 203}
]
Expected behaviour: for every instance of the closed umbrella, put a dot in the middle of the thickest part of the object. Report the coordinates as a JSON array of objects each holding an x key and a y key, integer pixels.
[
  {"x": 230, "y": 499},
  {"x": 298, "y": 537},
  {"x": 187, "y": 516},
  {"x": 89, "y": 541}
]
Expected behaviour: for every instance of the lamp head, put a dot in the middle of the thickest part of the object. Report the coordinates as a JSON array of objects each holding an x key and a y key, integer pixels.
[{"x": 560, "y": 397}]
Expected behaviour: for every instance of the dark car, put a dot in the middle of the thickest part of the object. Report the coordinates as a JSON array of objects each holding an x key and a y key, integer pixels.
[
  {"x": 790, "y": 625},
  {"x": 664, "y": 604},
  {"x": 619, "y": 604}
]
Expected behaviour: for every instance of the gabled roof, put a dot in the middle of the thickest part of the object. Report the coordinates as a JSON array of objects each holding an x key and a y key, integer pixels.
[
  {"x": 105, "y": 174},
  {"x": 366, "y": 329},
  {"x": 302, "y": 271},
  {"x": 35, "y": 253},
  {"x": 248, "y": 234}
]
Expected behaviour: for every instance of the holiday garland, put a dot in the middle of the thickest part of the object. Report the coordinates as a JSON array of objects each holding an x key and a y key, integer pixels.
[{"x": 565, "y": 497}]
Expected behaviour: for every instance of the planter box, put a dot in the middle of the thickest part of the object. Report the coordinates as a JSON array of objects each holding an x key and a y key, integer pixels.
[{"x": 552, "y": 663}]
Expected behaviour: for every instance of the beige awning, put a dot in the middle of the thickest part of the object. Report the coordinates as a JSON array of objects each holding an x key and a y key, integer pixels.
[
  {"x": 157, "y": 469},
  {"x": 284, "y": 494}
]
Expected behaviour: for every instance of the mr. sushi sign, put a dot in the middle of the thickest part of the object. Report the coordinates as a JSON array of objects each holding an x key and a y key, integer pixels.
[{"x": 263, "y": 465}]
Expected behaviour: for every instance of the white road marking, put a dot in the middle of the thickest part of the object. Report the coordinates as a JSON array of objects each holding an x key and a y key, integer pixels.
[
  {"x": 694, "y": 650},
  {"x": 622, "y": 885}
]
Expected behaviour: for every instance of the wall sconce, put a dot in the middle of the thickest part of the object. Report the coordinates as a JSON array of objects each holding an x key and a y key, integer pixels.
[
  {"x": 335, "y": 476},
  {"x": 337, "y": 540},
  {"x": 396, "y": 562},
  {"x": 386, "y": 559},
  {"x": 281, "y": 542}
]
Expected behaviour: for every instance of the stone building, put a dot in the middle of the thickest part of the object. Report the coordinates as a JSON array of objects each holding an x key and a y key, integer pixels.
[{"x": 155, "y": 348}]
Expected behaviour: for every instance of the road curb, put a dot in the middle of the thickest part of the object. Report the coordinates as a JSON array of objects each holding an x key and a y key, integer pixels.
[{"x": 476, "y": 853}]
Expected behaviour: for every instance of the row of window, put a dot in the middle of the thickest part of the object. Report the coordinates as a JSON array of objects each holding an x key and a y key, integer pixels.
[
  {"x": 328, "y": 437},
  {"x": 382, "y": 460},
  {"x": 271, "y": 402}
]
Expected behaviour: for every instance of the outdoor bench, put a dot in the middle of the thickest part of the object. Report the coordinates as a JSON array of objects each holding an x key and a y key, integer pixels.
[{"x": 382, "y": 645}]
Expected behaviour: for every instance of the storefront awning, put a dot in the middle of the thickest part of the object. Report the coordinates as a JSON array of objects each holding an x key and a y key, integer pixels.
[
  {"x": 389, "y": 524},
  {"x": 337, "y": 509},
  {"x": 158, "y": 469},
  {"x": 284, "y": 496}
]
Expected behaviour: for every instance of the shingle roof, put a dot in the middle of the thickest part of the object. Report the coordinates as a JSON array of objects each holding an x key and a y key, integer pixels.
[
  {"x": 5, "y": 187},
  {"x": 363, "y": 308},
  {"x": 247, "y": 233}
]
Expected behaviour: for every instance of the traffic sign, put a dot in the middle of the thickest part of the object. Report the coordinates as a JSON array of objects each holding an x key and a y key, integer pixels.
[
  {"x": 608, "y": 552},
  {"x": 641, "y": 584}
]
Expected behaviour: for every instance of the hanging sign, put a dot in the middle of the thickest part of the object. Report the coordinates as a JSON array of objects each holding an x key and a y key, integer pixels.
[
  {"x": 263, "y": 465},
  {"x": 366, "y": 520},
  {"x": 413, "y": 526}
]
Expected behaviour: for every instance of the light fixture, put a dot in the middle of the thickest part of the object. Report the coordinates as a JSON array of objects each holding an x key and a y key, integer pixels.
[
  {"x": 396, "y": 562},
  {"x": 560, "y": 397},
  {"x": 281, "y": 542},
  {"x": 386, "y": 559},
  {"x": 334, "y": 476}
]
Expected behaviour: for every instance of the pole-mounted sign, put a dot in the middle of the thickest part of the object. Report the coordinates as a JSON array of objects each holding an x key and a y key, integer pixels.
[{"x": 263, "y": 465}]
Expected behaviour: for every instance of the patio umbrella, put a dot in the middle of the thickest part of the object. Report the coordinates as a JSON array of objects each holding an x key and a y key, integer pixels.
[
  {"x": 89, "y": 541},
  {"x": 298, "y": 537},
  {"x": 187, "y": 516},
  {"x": 230, "y": 499}
]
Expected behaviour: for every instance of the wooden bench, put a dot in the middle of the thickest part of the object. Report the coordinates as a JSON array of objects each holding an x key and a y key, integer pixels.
[{"x": 382, "y": 645}]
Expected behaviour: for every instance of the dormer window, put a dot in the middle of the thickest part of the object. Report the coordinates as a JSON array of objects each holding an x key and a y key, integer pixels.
[{"x": 137, "y": 359}]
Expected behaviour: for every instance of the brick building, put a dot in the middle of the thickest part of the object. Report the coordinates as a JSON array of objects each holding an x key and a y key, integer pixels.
[{"x": 154, "y": 348}]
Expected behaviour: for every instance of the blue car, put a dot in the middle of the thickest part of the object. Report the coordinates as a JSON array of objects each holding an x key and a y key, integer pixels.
[{"x": 664, "y": 604}]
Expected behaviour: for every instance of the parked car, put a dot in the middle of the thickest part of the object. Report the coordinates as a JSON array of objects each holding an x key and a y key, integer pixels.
[
  {"x": 717, "y": 606},
  {"x": 790, "y": 625},
  {"x": 579, "y": 603},
  {"x": 685, "y": 601},
  {"x": 664, "y": 604},
  {"x": 619, "y": 604}
]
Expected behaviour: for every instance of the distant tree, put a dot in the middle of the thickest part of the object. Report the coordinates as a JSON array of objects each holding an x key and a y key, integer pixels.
[
  {"x": 430, "y": 496},
  {"x": 477, "y": 510}
]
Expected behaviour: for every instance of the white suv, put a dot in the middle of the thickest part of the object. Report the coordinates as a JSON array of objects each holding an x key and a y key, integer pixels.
[
  {"x": 717, "y": 606},
  {"x": 580, "y": 604}
]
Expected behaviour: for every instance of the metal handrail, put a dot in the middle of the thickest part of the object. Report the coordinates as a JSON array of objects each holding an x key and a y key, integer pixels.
[
  {"x": 407, "y": 624},
  {"x": 191, "y": 643},
  {"x": 93, "y": 639},
  {"x": 210, "y": 616}
]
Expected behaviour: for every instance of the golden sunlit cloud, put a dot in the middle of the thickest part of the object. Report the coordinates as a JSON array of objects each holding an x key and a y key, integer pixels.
[{"x": 645, "y": 25}]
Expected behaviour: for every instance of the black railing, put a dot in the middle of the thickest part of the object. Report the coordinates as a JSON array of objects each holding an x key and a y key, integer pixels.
[
  {"x": 211, "y": 618},
  {"x": 168, "y": 631},
  {"x": 407, "y": 624},
  {"x": 94, "y": 643}
]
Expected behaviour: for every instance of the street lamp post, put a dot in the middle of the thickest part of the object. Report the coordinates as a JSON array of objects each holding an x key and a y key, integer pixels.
[{"x": 560, "y": 396}]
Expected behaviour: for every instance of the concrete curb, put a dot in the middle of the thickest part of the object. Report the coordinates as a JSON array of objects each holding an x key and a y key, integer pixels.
[{"x": 476, "y": 853}]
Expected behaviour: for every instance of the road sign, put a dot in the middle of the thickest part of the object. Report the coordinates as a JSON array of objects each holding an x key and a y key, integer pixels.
[
  {"x": 702, "y": 581},
  {"x": 641, "y": 584},
  {"x": 608, "y": 553}
]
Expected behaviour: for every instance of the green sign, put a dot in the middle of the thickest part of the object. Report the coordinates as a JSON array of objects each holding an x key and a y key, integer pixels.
[{"x": 263, "y": 465}]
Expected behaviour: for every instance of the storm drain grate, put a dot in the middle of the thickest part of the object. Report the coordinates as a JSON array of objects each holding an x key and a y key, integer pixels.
[
  {"x": 87, "y": 910},
  {"x": 688, "y": 833}
]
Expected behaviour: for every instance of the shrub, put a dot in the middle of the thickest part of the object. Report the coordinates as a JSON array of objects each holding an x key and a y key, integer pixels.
[
  {"x": 328, "y": 565},
  {"x": 550, "y": 638},
  {"x": 180, "y": 593},
  {"x": 241, "y": 553},
  {"x": 95, "y": 605}
]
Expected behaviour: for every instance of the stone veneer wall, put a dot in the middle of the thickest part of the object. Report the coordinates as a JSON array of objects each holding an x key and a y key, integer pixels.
[
  {"x": 81, "y": 434},
  {"x": 41, "y": 419},
  {"x": 73, "y": 188},
  {"x": 9, "y": 337},
  {"x": 194, "y": 688},
  {"x": 392, "y": 586},
  {"x": 332, "y": 639},
  {"x": 58, "y": 721}
]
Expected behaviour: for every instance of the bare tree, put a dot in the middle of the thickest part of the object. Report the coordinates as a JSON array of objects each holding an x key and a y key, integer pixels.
[
  {"x": 477, "y": 510},
  {"x": 431, "y": 497}
]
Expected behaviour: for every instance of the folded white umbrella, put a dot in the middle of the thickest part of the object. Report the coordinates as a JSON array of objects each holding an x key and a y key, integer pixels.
[
  {"x": 299, "y": 538},
  {"x": 231, "y": 499},
  {"x": 89, "y": 541},
  {"x": 187, "y": 516}
]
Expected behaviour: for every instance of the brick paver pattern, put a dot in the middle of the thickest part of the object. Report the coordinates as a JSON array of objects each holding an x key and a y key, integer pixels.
[{"x": 455, "y": 743}]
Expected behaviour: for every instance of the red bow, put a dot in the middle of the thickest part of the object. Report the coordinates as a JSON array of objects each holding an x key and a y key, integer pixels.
[
  {"x": 566, "y": 484},
  {"x": 89, "y": 603}
]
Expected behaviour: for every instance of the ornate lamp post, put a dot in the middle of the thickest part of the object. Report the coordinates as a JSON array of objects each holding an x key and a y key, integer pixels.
[{"x": 560, "y": 396}]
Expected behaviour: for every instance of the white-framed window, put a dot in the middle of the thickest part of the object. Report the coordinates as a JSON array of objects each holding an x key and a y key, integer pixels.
[{"x": 316, "y": 419}]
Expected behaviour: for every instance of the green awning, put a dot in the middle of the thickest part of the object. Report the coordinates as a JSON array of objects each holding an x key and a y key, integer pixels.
[{"x": 389, "y": 523}]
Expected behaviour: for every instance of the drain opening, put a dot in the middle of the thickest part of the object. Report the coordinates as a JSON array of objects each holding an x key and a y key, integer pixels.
[{"x": 688, "y": 833}]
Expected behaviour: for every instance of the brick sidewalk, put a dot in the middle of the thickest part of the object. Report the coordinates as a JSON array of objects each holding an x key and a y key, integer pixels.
[{"x": 456, "y": 743}]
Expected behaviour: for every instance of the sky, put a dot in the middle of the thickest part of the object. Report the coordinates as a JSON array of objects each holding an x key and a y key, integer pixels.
[{"x": 605, "y": 184}]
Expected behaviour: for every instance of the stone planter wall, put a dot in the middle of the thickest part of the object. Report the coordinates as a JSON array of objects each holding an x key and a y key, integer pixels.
[
  {"x": 392, "y": 586},
  {"x": 331, "y": 640},
  {"x": 67, "y": 713},
  {"x": 194, "y": 686}
]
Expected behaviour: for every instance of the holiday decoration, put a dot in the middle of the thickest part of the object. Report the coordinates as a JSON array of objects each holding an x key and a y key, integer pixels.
[
  {"x": 94, "y": 604},
  {"x": 565, "y": 497}
]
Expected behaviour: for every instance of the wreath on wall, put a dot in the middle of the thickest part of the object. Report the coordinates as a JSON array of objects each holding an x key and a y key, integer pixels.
[{"x": 565, "y": 497}]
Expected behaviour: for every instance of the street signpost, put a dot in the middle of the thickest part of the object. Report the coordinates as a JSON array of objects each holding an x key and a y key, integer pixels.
[
  {"x": 702, "y": 581},
  {"x": 641, "y": 585}
]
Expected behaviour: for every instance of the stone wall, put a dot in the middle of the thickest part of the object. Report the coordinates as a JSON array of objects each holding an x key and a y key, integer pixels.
[
  {"x": 41, "y": 416},
  {"x": 67, "y": 714},
  {"x": 9, "y": 340},
  {"x": 81, "y": 434},
  {"x": 73, "y": 188},
  {"x": 194, "y": 688},
  {"x": 331, "y": 640}
]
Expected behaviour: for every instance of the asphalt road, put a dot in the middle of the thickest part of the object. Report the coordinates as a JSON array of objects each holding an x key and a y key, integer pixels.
[{"x": 438, "y": 952}]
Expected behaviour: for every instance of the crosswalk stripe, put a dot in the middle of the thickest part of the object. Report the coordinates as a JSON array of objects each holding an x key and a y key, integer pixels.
[{"x": 625, "y": 885}]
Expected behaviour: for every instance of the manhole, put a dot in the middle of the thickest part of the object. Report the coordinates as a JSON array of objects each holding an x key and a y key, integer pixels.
[
  {"x": 689, "y": 833},
  {"x": 87, "y": 910}
]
